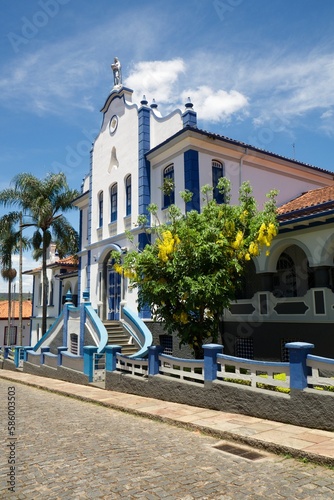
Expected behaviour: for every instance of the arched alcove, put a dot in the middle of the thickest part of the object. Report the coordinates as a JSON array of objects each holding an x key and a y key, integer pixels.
[{"x": 293, "y": 275}]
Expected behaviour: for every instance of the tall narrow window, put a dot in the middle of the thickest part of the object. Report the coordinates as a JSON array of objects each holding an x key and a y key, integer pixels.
[
  {"x": 101, "y": 209},
  {"x": 74, "y": 344},
  {"x": 51, "y": 293},
  {"x": 217, "y": 173},
  {"x": 113, "y": 203},
  {"x": 169, "y": 187},
  {"x": 128, "y": 195},
  {"x": 11, "y": 338}
]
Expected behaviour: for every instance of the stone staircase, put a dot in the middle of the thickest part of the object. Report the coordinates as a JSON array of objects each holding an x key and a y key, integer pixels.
[{"x": 118, "y": 336}]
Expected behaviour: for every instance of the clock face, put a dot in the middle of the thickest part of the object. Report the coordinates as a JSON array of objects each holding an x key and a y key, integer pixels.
[{"x": 113, "y": 124}]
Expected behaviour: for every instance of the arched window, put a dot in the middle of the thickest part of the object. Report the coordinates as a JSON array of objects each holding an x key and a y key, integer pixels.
[
  {"x": 285, "y": 283},
  {"x": 169, "y": 187},
  {"x": 217, "y": 173},
  {"x": 113, "y": 203},
  {"x": 128, "y": 195},
  {"x": 101, "y": 209}
]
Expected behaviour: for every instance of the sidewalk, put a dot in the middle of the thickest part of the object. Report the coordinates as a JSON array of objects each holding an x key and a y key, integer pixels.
[{"x": 299, "y": 442}]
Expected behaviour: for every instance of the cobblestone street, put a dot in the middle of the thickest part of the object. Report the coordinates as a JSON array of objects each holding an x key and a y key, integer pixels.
[{"x": 70, "y": 449}]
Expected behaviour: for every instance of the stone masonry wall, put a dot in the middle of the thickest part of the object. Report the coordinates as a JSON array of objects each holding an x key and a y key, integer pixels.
[{"x": 308, "y": 408}]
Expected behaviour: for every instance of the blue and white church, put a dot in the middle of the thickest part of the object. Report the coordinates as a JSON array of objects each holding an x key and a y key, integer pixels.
[{"x": 287, "y": 296}]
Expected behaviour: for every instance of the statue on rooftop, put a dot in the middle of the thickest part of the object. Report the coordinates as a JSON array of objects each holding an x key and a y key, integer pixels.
[{"x": 117, "y": 70}]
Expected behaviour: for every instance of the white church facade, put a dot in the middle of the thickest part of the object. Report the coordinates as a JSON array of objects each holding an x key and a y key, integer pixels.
[{"x": 135, "y": 150}]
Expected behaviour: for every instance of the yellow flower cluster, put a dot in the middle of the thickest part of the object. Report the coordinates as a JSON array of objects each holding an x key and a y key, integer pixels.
[
  {"x": 182, "y": 317},
  {"x": 266, "y": 234},
  {"x": 243, "y": 216},
  {"x": 238, "y": 240},
  {"x": 127, "y": 273},
  {"x": 167, "y": 245},
  {"x": 118, "y": 268},
  {"x": 254, "y": 249}
]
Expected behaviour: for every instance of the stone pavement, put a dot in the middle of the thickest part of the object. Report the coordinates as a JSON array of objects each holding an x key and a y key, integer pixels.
[
  {"x": 69, "y": 448},
  {"x": 301, "y": 442}
]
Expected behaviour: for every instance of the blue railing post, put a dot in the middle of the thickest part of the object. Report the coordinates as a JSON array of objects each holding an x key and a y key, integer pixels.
[
  {"x": 298, "y": 352},
  {"x": 89, "y": 350},
  {"x": 111, "y": 360},
  {"x": 6, "y": 351},
  {"x": 43, "y": 350},
  {"x": 210, "y": 361},
  {"x": 153, "y": 359},
  {"x": 17, "y": 355},
  {"x": 60, "y": 350}
]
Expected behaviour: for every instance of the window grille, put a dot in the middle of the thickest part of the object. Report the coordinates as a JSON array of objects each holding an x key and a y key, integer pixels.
[
  {"x": 74, "y": 343},
  {"x": 285, "y": 357},
  {"x": 244, "y": 348},
  {"x": 166, "y": 341},
  {"x": 285, "y": 283}
]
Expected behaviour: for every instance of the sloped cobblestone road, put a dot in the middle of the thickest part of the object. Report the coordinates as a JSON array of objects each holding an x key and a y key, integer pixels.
[{"x": 69, "y": 449}]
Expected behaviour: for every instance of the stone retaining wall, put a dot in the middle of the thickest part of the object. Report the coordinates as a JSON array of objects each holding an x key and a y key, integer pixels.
[{"x": 307, "y": 408}]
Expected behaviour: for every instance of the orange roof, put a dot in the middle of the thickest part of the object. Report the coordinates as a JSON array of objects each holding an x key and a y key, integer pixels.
[
  {"x": 71, "y": 261},
  {"x": 315, "y": 201},
  {"x": 26, "y": 309}
]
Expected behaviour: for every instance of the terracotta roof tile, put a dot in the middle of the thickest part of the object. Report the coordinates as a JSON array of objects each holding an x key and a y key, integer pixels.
[
  {"x": 308, "y": 201},
  {"x": 26, "y": 309},
  {"x": 71, "y": 261}
]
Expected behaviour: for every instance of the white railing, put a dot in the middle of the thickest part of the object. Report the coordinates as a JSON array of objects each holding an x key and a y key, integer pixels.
[
  {"x": 131, "y": 365},
  {"x": 183, "y": 369},
  {"x": 318, "y": 366},
  {"x": 254, "y": 373},
  {"x": 99, "y": 367},
  {"x": 11, "y": 354}
]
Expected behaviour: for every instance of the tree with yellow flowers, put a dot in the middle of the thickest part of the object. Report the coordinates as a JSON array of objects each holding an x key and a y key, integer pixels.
[{"x": 191, "y": 271}]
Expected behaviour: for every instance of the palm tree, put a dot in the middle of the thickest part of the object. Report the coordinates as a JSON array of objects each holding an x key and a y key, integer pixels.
[
  {"x": 11, "y": 242},
  {"x": 42, "y": 203}
]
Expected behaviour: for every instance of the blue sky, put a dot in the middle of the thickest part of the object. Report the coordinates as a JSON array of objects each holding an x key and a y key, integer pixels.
[{"x": 259, "y": 71}]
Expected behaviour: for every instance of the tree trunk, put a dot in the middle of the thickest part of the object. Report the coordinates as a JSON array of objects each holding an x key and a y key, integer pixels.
[
  {"x": 198, "y": 351},
  {"x": 9, "y": 310},
  {"x": 19, "y": 340},
  {"x": 44, "y": 286}
]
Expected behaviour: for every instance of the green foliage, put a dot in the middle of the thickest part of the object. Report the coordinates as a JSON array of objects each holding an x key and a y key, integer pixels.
[
  {"x": 191, "y": 271},
  {"x": 42, "y": 203}
]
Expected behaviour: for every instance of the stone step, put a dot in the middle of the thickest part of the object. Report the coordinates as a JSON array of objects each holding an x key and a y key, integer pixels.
[{"x": 118, "y": 336}]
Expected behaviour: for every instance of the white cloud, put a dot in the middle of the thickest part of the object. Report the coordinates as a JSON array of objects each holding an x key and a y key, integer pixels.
[
  {"x": 46, "y": 79},
  {"x": 216, "y": 106},
  {"x": 27, "y": 264},
  {"x": 156, "y": 79},
  {"x": 292, "y": 87}
]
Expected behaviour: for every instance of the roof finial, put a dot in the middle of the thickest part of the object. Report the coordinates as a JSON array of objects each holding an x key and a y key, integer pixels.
[
  {"x": 189, "y": 104},
  {"x": 144, "y": 101},
  {"x": 154, "y": 104}
]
